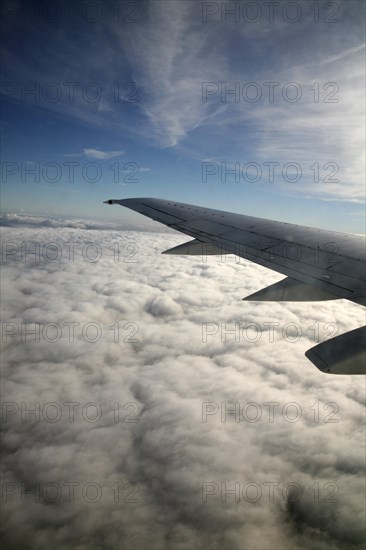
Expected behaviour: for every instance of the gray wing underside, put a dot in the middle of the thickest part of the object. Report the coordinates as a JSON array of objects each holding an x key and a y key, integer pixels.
[{"x": 318, "y": 264}]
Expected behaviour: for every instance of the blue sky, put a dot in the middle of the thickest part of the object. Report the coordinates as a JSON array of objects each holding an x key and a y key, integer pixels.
[{"x": 189, "y": 101}]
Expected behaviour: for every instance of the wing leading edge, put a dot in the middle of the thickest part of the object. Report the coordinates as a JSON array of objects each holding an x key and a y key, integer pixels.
[{"x": 318, "y": 264}]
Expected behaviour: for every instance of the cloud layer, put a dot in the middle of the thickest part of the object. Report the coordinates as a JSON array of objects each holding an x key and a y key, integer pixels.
[{"x": 132, "y": 362}]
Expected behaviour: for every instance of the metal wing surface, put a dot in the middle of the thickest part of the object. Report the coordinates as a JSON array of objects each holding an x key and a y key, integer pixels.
[{"x": 318, "y": 264}]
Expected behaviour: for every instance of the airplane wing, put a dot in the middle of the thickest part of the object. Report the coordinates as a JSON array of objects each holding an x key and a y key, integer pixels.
[{"x": 318, "y": 264}]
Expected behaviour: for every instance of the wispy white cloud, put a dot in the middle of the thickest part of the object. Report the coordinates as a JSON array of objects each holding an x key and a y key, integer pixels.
[
  {"x": 171, "y": 77},
  {"x": 336, "y": 199},
  {"x": 343, "y": 54},
  {"x": 311, "y": 130},
  {"x": 97, "y": 154},
  {"x": 102, "y": 155}
]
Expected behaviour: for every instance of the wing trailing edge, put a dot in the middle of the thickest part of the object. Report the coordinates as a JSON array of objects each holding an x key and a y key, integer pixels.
[
  {"x": 197, "y": 248},
  {"x": 290, "y": 290},
  {"x": 287, "y": 290}
]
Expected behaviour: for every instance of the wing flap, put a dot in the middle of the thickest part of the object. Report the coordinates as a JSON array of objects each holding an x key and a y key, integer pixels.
[
  {"x": 290, "y": 290},
  {"x": 197, "y": 248}
]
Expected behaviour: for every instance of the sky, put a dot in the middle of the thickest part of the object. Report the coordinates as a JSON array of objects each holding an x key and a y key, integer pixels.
[
  {"x": 144, "y": 403},
  {"x": 256, "y": 108}
]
